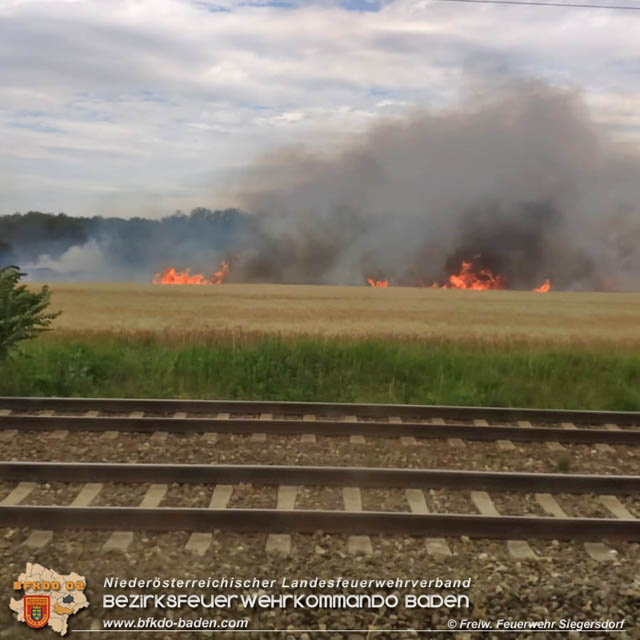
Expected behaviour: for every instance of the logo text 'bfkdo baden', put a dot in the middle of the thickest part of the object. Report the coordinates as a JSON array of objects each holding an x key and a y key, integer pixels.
[{"x": 49, "y": 597}]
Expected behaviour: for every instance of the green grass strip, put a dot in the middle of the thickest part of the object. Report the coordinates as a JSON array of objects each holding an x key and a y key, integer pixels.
[{"x": 330, "y": 370}]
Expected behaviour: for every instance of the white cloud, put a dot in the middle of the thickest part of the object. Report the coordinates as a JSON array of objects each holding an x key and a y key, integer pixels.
[{"x": 143, "y": 106}]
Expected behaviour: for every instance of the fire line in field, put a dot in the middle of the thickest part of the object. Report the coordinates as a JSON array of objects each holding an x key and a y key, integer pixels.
[
  {"x": 469, "y": 278},
  {"x": 381, "y": 284},
  {"x": 466, "y": 278},
  {"x": 171, "y": 276},
  {"x": 544, "y": 287}
]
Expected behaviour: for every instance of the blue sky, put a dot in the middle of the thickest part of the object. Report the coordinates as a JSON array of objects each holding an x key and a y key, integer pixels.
[{"x": 139, "y": 107}]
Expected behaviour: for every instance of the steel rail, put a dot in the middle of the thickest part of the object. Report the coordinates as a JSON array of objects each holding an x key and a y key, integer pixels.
[
  {"x": 320, "y": 427},
  {"x": 286, "y": 521},
  {"x": 329, "y": 409},
  {"x": 322, "y": 476}
]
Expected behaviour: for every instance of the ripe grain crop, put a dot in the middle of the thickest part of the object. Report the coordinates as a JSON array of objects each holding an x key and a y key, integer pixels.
[
  {"x": 196, "y": 313},
  {"x": 336, "y": 344}
]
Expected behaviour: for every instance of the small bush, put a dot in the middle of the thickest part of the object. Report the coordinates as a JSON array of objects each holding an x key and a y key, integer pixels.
[{"x": 21, "y": 310}]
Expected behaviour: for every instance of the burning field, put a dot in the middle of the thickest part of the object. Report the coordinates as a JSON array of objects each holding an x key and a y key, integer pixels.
[
  {"x": 489, "y": 254},
  {"x": 466, "y": 278},
  {"x": 342, "y": 344},
  {"x": 193, "y": 313}
]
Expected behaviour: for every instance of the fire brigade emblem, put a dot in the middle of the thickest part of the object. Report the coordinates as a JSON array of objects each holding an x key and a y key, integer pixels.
[
  {"x": 36, "y": 611},
  {"x": 50, "y": 598}
]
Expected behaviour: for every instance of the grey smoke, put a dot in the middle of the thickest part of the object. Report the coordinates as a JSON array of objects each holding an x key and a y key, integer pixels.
[
  {"x": 524, "y": 183},
  {"x": 521, "y": 181}
]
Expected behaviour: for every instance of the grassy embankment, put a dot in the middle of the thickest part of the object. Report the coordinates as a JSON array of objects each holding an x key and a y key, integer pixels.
[{"x": 343, "y": 344}]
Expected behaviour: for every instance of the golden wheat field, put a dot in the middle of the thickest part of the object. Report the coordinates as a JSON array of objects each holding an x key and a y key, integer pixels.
[{"x": 358, "y": 312}]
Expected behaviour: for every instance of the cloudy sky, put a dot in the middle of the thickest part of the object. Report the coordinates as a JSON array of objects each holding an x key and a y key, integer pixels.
[{"x": 141, "y": 107}]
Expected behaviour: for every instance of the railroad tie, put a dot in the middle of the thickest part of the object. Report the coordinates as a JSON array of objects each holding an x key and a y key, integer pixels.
[
  {"x": 120, "y": 540},
  {"x": 161, "y": 436},
  {"x": 200, "y": 542},
  {"x": 613, "y": 504},
  {"x": 405, "y": 441},
  {"x": 353, "y": 502},
  {"x": 18, "y": 494},
  {"x": 95, "y": 414},
  {"x": 503, "y": 445},
  {"x": 602, "y": 447},
  {"x": 308, "y": 438},
  {"x": 107, "y": 435},
  {"x": 354, "y": 439},
  {"x": 7, "y": 434},
  {"x": 596, "y": 550},
  {"x": 113, "y": 435},
  {"x": 281, "y": 542},
  {"x": 261, "y": 437},
  {"x": 181, "y": 415},
  {"x": 417, "y": 504},
  {"x": 453, "y": 442},
  {"x": 552, "y": 446},
  {"x": 599, "y": 551},
  {"x": 40, "y": 538},
  {"x": 211, "y": 436},
  {"x": 519, "y": 549},
  {"x": 550, "y": 505},
  {"x": 58, "y": 434}
]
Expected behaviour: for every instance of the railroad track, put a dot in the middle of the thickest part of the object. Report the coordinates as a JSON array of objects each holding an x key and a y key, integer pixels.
[
  {"x": 413, "y": 517},
  {"x": 319, "y": 409},
  {"x": 283, "y": 518},
  {"x": 280, "y": 418}
]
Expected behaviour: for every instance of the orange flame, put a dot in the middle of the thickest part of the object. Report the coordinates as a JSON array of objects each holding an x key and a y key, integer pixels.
[
  {"x": 383, "y": 284},
  {"x": 544, "y": 287},
  {"x": 467, "y": 279},
  {"x": 171, "y": 276}
]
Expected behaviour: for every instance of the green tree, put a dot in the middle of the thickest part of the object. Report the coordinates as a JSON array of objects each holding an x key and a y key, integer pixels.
[{"x": 21, "y": 310}]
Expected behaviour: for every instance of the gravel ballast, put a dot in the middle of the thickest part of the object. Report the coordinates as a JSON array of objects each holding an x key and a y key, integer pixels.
[
  {"x": 286, "y": 450},
  {"x": 562, "y": 583}
]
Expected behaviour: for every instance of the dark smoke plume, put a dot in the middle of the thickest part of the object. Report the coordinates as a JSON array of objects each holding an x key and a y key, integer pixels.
[{"x": 525, "y": 184}]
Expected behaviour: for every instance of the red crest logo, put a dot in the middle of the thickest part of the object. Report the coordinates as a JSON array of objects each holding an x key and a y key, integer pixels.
[{"x": 36, "y": 611}]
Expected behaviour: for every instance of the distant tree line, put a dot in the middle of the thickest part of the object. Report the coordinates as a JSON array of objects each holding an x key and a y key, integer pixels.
[{"x": 136, "y": 242}]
